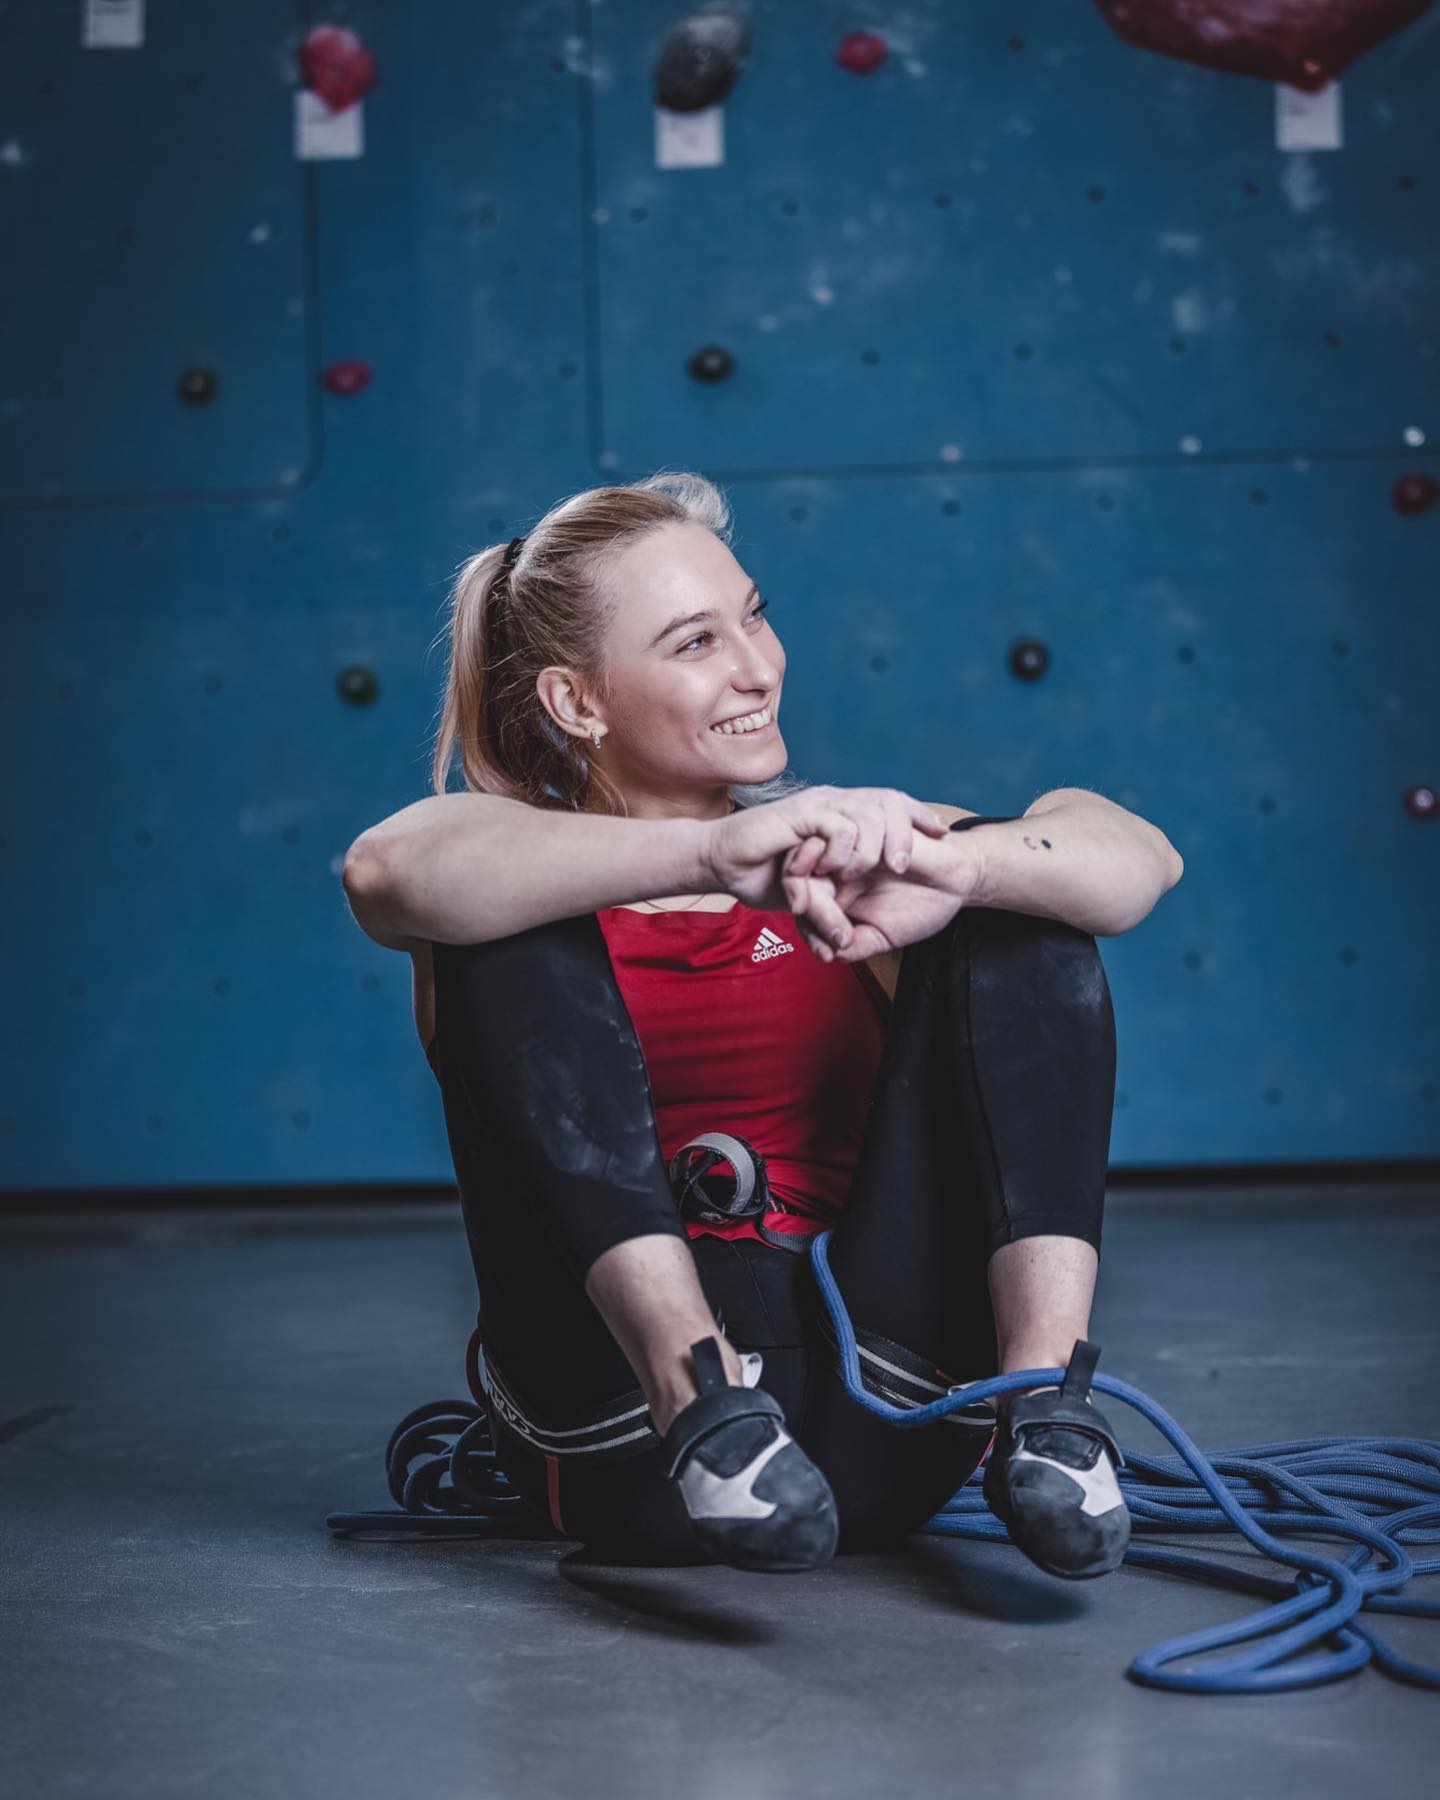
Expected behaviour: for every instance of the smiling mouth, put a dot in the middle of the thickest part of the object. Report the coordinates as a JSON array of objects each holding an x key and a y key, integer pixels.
[{"x": 747, "y": 724}]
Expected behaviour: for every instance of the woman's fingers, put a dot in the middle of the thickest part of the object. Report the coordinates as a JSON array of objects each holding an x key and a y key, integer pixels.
[
  {"x": 850, "y": 831},
  {"x": 824, "y": 916},
  {"x": 898, "y": 831},
  {"x": 883, "y": 822},
  {"x": 823, "y": 924},
  {"x": 867, "y": 941},
  {"x": 870, "y": 845},
  {"x": 818, "y": 917},
  {"x": 797, "y": 895},
  {"x": 803, "y": 858},
  {"x": 797, "y": 898},
  {"x": 857, "y": 835},
  {"x": 842, "y": 833},
  {"x": 816, "y": 945}
]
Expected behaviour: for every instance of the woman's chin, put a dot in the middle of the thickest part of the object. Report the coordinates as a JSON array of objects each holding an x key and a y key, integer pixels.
[{"x": 756, "y": 762}]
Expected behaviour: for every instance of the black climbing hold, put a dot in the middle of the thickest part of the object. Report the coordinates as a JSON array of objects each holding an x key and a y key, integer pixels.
[
  {"x": 197, "y": 387},
  {"x": 700, "y": 60},
  {"x": 1028, "y": 660},
  {"x": 358, "y": 685},
  {"x": 712, "y": 364}
]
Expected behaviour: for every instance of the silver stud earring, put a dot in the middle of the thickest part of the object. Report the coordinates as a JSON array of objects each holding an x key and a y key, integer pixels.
[{"x": 596, "y": 735}]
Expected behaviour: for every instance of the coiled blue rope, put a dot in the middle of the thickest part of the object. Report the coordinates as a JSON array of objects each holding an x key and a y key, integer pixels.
[
  {"x": 442, "y": 1471},
  {"x": 1343, "y": 1487}
]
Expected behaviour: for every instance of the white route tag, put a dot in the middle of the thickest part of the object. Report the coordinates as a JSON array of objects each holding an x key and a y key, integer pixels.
[
  {"x": 322, "y": 135},
  {"x": 693, "y": 140},
  {"x": 1308, "y": 121},
  {"x": 113, "y": 25}
]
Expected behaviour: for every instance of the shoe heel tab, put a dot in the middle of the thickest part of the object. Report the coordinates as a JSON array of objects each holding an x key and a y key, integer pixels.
[
  {"x": 709, "y": 1365},
  {"x": 1080, "y": 1370}
]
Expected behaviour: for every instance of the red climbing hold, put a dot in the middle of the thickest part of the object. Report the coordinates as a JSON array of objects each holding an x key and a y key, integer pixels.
[
  {"x": 1414, "y": 494},
  {"x": 347, "y": 377},
  {"x": 336, "y": 65},
  {"x": 1304, "y": 43},
  {"x": 861, "y": 52}
]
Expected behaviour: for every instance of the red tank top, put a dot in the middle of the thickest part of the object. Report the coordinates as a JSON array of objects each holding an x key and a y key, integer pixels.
[{"x": 744, "y": 1029}]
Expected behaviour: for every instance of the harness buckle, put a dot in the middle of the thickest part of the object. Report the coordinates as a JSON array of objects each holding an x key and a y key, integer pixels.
[{"x": 719, "y": 1199}]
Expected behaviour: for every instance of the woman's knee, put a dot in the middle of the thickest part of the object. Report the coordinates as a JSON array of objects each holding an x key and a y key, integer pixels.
[
  {"x": 537, "y": 1015},
  {"x": 1031, "y": 998},
  {"x": 997, "y": 945},
  {"x": 546, "y": 1083}
]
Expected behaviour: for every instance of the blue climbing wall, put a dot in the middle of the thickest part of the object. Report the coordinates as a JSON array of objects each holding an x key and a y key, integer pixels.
[{"x": 1036, "y": 336}]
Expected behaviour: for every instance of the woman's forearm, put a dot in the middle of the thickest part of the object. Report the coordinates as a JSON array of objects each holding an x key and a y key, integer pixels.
[{"x": 465, "y": 868}]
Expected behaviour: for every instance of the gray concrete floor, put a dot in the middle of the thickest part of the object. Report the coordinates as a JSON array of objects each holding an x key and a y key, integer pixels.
[{"x": 187, "y": 1394}]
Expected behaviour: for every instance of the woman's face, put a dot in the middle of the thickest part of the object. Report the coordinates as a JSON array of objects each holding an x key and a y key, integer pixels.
[{"x": 675, "y": 677}]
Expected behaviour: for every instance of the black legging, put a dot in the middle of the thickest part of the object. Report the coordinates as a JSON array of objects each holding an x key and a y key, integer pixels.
[{"x": 990, "y": 1121}]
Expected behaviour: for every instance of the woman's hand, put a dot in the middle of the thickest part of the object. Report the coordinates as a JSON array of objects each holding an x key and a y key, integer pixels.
[
  {"x": 853, "y": 831},
  {"x": 855, "y": 917}
]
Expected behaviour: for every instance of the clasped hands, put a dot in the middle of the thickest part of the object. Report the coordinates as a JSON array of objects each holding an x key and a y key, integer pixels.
[{"x": 895, "y": 881}]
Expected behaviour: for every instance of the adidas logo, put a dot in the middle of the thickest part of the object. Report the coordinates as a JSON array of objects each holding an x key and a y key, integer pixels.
[{"x": 768, "y": 945}]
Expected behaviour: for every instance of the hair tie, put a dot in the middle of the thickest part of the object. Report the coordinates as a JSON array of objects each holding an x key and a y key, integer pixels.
[{"x": 512, "y": 551}]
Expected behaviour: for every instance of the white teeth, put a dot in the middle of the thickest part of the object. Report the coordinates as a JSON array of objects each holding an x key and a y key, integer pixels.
[{"x": 750, "y": 722}]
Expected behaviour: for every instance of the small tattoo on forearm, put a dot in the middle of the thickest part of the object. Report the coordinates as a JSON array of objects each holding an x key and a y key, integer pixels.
[{"x": 1031, "y": 843}]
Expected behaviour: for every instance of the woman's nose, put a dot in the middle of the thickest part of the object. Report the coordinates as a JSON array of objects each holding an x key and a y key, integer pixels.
[{"x": 760, "y": 670}]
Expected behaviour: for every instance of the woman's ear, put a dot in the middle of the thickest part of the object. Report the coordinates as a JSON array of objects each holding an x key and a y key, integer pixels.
[{"x": 559, "y": 692}]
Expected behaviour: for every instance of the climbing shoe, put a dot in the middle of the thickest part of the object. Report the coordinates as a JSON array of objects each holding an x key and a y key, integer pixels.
[
  {"x": 1051, "y": 1476},
  {"x": 754, "y": 1497}
]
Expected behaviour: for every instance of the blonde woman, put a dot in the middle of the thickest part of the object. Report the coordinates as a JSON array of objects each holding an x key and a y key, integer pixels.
[{"x": 686, "y": 1011}]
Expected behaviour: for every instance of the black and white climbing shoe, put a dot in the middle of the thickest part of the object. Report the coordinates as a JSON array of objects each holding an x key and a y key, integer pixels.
[
  {"x": 754, "y": 1497},
  {"x": 1051, "y": 1476}
]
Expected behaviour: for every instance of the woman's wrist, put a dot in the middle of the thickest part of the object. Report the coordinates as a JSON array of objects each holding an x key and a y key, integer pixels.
[
  {"x": 951, "y": 865},
  {"x": 688, "y": 857}
]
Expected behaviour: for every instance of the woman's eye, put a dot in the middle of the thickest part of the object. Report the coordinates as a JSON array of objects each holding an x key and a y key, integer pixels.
[{"x": 755, "y": 612}]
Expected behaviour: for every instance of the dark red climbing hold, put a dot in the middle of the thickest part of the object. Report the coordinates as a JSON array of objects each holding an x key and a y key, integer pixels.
[
  {"x": 1304, "y": 43},
  {"x": 346, "y": 378},
  {"x": 335, "y": 65},
  {"x": 861, "y": 52},
  {"x": 1420, "y": 802},
  {"x": 1414, "y": 494}
]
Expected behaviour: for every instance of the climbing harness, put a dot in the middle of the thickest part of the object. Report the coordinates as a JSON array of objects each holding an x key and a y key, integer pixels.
[
  {"x": 715, "y": 1199},
  {"x": 442, "y": 1472}
]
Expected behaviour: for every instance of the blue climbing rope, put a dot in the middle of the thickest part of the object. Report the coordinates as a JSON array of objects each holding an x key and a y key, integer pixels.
[
  {"x": 1343, "y": 1487},
  {"x": 442, "y": 1472}
]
